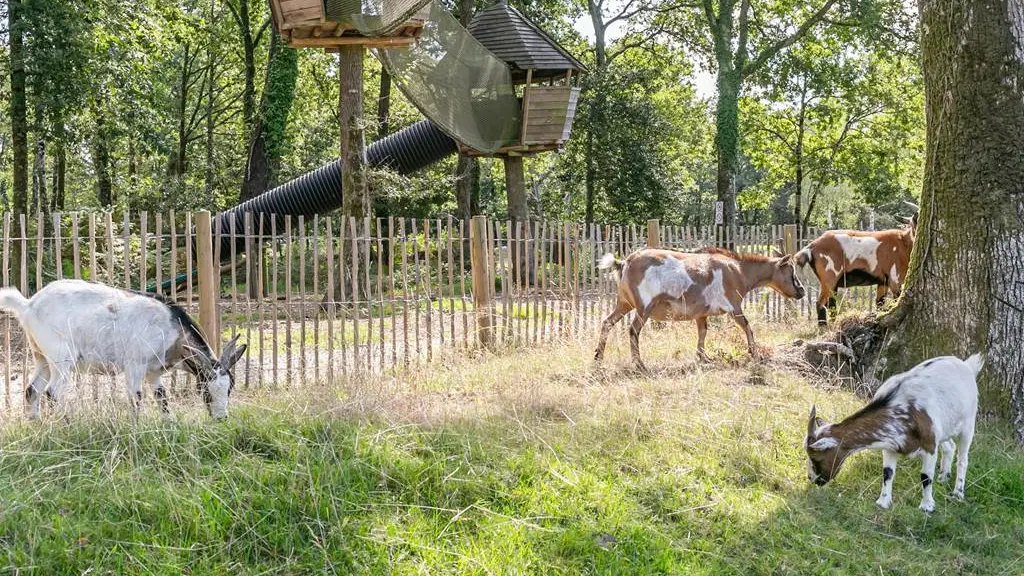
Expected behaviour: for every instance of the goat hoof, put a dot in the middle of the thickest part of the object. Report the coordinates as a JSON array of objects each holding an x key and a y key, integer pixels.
[
  {"x": 927, "y": 506},
  {"x": 957, "y": 495},
  {"x": 943, "y": 477},
  {"x": 884, "y": 503}
]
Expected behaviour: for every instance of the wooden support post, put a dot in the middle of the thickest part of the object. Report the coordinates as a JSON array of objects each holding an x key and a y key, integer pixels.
[
  {"x": 789, "y": 239},
  {"x": 482, "y": 281},
  {"x": 654, "y": 233},
  {"x": 209, "y": 320}
]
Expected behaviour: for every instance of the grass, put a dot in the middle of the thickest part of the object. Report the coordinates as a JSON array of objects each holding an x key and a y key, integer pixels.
[{"x": 533, "y": 463}]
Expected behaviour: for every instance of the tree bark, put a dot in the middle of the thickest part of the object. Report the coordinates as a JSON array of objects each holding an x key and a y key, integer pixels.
[
  {"x": 268, "y": 134},
  {"x": 384, "y": 104},
  {"x": 60, "y": 169},
  {"x": 19, "y": 121},
  {"x": 965, "y": 287},
  {"x": 518, "y": 211},
  {"x": 727, "y": 140},
  {"x": 178, "y": 165},
  {"x": 39, "y": 199},
  {"x": 101, "y": 161},
  {"x": 354, "y": 187},
  {"x": 356, "y": 197}
]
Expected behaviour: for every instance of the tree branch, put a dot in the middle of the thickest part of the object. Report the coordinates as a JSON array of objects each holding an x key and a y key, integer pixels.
[
  {"x": 641, "y": 42},
  {"x": 259, "y": 34},
  {"x": 774, "y": 49},
  {"x": 709, "y": 13},
  {"x": 741, "y": 48},
  {"x": 234, "y": 12}
]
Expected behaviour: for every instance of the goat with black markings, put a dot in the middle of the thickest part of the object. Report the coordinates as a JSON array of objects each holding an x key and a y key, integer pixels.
[
  {"x": 78, "y": 326},
  {"x": 912, "y": 414}
]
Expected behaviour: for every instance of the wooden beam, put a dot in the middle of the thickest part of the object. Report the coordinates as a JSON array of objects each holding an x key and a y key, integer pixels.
[
  {"x": 526, "y": 106},
  {"x": 335, "y": 42}
]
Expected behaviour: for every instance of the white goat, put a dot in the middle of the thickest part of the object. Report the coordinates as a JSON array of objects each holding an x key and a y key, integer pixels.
[
  {"x": 912, "y": 414},
  {"x": 73, "y": 325}
]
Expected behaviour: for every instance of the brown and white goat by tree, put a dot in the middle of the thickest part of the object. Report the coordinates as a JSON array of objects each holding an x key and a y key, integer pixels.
[
  {"x": 849, "y": 258},
  {"x": 671, "y": 285},
  {"x": 912, "y": 414}
]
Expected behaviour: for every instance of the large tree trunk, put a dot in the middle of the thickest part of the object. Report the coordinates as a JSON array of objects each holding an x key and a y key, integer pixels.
[
  {"x": 356, "y": 197},
  {"x": 354, "y": 189},
  {"x": 19, "y": 121},
  {"x": 727, "y": 139},
  {"x": 965, "y": 288},
  {"x": 518, "y": 211}
]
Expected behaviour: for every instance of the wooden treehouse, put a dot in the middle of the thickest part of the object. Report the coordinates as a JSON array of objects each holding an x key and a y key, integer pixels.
[
  {"x": 545, "y": 74},
  {"x": 329, "y": 23}
]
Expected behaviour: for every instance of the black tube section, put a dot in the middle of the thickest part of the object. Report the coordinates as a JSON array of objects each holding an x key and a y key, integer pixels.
[{"x": 406, "y": 151}]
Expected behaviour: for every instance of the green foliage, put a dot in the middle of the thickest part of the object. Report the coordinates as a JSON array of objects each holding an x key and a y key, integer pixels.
[{"x": 134, "y": 76}]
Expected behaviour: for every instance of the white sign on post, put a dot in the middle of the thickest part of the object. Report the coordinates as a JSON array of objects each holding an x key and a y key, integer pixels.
[{"x": 719, "y": 209}]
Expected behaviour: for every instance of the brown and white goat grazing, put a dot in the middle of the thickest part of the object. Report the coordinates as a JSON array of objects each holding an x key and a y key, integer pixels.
[
  {"x": 849, "y": 258},
  {"x": 912, "y": 414},
  {"x": 671, "y": 285}
]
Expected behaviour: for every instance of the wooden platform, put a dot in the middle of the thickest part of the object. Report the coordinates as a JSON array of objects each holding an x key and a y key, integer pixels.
[{"x": 304, "y": 24}]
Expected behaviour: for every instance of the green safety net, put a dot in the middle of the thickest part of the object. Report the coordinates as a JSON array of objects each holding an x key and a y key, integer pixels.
[
  {"x": 373, "y": 17},
  {"x": 446, "y": 73}
]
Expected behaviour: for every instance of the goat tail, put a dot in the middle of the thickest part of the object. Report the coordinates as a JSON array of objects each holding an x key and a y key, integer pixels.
[
  {"x": 803, "y": 257},
  {"x": 12, "y": 300},
  {"x": 976, "y": 362},
  {"x": 610, "y": 262}
]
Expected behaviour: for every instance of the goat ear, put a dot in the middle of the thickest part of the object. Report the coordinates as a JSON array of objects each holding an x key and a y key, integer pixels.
[
  {"x": 824, "y": 443},
  {"x": 231, "y": 356},
  {"x": 811, "y": 427}
]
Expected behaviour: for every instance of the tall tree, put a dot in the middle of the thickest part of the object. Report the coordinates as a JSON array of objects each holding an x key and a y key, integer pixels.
[
  {"x": 740, "y": 47},
  {"x": 267, "y": 143},
  {"x": 19, "y": 121},
  {"x": 602, "y": 17},
  {"x": 240, "y": 9},
  {"x": 965, "y": 285}
]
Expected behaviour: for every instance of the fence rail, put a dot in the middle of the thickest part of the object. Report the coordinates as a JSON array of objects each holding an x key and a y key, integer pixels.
[{"x": 330, "y": 297}]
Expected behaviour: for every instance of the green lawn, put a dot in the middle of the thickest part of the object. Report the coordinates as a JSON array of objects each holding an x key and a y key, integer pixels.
[{"x": 528, "y": 464}]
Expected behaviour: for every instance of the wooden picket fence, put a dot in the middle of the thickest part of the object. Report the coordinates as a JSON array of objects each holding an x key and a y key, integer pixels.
[{"x": 327, "y": 298}]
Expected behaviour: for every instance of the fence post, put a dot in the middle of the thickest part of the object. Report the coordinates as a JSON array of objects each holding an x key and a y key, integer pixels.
[
  {"x": 654, "y": 233},
  {"x": 482, "y": 282},
  {"x": 208, "y": 280},
  {"x": 789, "y": 239}
]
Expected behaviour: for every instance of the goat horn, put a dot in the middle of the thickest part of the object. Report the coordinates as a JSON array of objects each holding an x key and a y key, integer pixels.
[{"x": 912, "y": 205}]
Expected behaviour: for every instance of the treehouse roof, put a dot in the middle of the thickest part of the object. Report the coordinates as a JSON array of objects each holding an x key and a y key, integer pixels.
[{"x": 518, "y": 41}]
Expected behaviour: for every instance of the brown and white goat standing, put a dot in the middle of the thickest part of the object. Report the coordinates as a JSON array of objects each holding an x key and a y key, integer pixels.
[
  {"x": 912, "y": 414},
  {"x": 671, "y": 285},
  {"x": 849, "y": 258}
]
